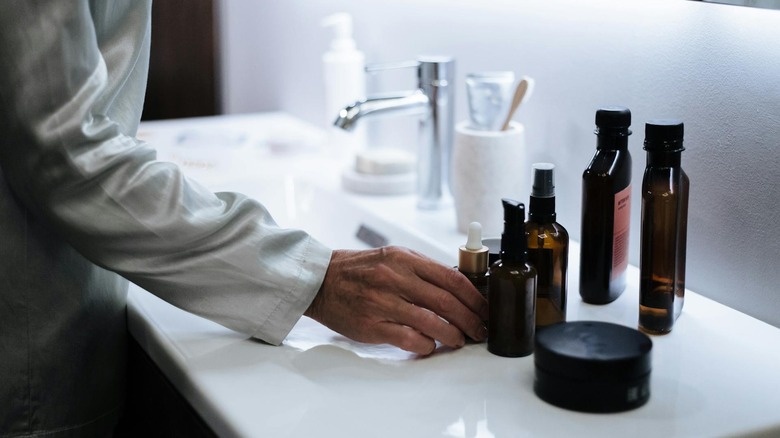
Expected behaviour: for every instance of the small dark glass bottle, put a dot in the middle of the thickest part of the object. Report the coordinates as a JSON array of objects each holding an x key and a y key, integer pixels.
[
  {"x": 512, "y": 290},
  {"x": 665, "y": 188},
  {"x": 548, "y": 248},
  {"x": 606, "y": 209},
  {"x": 473, "y": 259}
]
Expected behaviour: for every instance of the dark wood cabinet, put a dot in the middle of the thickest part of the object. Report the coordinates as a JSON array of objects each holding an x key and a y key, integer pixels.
[{"x": 183, "y": 78}]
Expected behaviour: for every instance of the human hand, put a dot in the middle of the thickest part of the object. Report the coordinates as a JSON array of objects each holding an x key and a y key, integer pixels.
[{"x": 397, "y": 296}]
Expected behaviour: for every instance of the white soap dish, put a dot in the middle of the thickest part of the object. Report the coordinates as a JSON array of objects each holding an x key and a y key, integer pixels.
[
  {"x": 380, "y": 171},
  {"x": 384, "y": 161},
  {"x": 398, "y": 184}
]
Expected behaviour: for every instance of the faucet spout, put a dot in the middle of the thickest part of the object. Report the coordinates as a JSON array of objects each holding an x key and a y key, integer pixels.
[
  {"x": 433, "y": 101},
  {"x": 411, "y": 103}
]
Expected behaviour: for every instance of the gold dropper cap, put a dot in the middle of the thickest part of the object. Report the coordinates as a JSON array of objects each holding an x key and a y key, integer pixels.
[{"x": 473, "y": 256}]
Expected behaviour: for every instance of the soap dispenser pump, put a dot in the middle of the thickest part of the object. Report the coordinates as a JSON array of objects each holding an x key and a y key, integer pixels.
[
  {"x": 512, "y": 290},
  {"x": 343, "y": 67}
]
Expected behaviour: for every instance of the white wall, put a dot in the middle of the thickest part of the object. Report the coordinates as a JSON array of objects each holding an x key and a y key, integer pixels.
[{"x": 715, "y": 67}]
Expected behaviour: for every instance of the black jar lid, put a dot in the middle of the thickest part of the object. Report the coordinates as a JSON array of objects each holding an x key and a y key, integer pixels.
[{"x": 592, "y": 366}]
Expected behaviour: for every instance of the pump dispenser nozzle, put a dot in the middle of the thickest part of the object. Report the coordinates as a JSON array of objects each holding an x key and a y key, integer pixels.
[
  {"x": 541, "y": 206},
  {"x": 341, "y": 23},
  {"x": 543, "y": 180},
  {"x": 513, "y": 242}
]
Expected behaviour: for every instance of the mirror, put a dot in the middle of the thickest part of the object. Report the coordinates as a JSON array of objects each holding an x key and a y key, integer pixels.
[{"x": 766, "y": 4}]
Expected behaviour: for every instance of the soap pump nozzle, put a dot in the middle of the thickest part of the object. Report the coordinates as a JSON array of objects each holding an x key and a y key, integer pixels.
[
  {"x": 341, "y": 23},
  {"x": 514, "y": 247}
]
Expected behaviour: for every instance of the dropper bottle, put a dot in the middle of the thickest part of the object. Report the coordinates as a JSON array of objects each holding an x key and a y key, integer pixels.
[
  {"x": 512, "y": 290},
  {"x": 548, "y": 248},
  {"x": 473, "y": 259}
]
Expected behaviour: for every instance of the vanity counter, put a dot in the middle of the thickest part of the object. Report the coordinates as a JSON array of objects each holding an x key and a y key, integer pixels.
[{"x": 716, "y": 374}]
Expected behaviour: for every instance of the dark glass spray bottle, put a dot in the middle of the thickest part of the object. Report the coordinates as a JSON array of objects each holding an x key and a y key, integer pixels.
[
  {"x": 473, "y": 259},
  {"x": 606, "y": 209},
  {"x": 665, "y": 188},
  {"x": 548, "y": 248},
  {"x": 512, "y": 290}
]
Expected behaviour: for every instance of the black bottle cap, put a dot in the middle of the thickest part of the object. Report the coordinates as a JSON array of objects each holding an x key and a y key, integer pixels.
[
  {"x": 664, "y": 136},
  {"x": 613, "y": 121},
  {"x": 513, "y": 241}
]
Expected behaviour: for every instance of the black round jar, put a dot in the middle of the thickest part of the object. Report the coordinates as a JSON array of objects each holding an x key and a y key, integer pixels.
[{"x": 592, "y": 366}]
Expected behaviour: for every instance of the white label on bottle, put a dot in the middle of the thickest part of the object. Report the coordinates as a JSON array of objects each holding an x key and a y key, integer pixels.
[{"x": 620, "y": 232}]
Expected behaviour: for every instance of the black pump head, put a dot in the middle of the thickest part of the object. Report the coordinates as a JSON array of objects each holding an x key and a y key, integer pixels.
[
  {"x": 514, "y": 212},
  {"x": 543, "y": 186},
  {"x": 513, "y": 241},
  {"x": 541, "y": 206}
]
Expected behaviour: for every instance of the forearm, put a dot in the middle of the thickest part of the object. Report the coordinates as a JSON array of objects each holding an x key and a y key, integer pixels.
[{"x": 68, "y": 153}]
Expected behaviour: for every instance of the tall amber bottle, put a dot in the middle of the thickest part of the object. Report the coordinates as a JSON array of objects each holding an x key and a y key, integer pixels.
[
  {"x": 606, "y": 209},
  {"x": 512, "y": 290},
  {"x": 548, "y": 248},
  {"x": 665, "y": 188}
]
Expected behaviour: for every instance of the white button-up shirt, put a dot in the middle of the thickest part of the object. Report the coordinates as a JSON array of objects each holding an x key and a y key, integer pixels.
[{"x": 82, "y": 200}]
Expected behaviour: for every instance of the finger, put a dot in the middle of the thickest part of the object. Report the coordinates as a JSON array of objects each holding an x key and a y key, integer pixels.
[
  {"x": 456, "y": 283},
  {"x": 444, "y": 304},
  {"x": 405, "y": 338},
  {"x": 429, "y": 324}
]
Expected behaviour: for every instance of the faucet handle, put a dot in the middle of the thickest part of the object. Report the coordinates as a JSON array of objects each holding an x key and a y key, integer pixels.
[
  {"x": 437, "y": 70},
  {"x": 373, "y": 68}
]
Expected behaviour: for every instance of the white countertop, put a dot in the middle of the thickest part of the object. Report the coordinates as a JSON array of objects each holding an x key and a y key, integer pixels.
[{"x": 716, "y": 374}]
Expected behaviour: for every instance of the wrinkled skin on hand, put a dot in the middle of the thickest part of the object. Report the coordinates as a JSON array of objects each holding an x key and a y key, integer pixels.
[{"x": 397, "y": 296}]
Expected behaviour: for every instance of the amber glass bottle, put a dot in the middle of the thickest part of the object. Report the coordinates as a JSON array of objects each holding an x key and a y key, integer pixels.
[
  {"x": 606, "y": 209},
  {"x": 665, "y": 188},
  {"x": 512, "y": 290},
  {"x": 548, "y": 248}
]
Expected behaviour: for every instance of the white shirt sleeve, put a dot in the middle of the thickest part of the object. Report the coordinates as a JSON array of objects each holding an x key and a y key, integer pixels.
[{"x": 73, "y": 77}]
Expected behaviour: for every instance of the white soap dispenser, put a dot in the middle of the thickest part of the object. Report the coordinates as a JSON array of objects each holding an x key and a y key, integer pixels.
[{"x": 343, "y": 67}]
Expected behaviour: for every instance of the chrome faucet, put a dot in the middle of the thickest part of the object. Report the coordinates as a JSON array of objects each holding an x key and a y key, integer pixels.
[{"x": 434, "y": 102}]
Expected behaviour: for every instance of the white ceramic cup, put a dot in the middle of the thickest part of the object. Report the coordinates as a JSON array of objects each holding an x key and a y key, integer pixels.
[{"x": 487, "y": 166}]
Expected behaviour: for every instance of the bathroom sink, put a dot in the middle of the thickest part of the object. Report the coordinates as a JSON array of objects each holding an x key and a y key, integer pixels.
[
  {"x": 273, "y": 161},
  {"x": 333, "y": 218}
]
